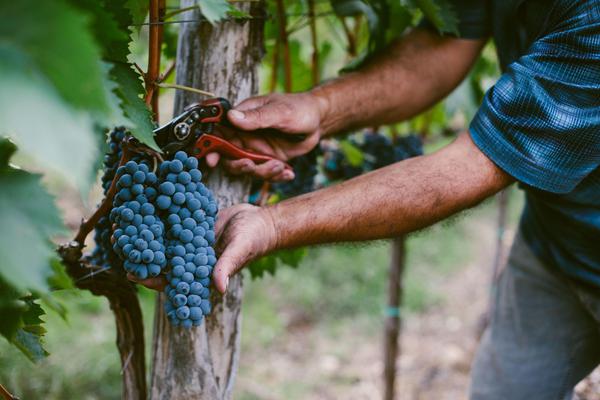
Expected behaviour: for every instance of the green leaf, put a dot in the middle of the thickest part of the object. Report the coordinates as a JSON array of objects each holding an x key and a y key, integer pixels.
[
  {"x": 7, "y": 150},
  {"x": 12, "y": 308},
  {"x": 439, "y": 13},
  {"x": 51, "y": 303},
  {"x": 214, "y": 10},
  {"x": 354, "y": 8},
  {"x": 352, "y": 153},
  {"x": 21, "y": 322},
  {"x": 59, "y": 279},
  {"x": 30, "y": 343},
  {"x": 42, "y": 125},
  {"x": 258, "y": 268},
  {"x": 138, "y": 10},
  {"x": 293, "y": 257},
  {"x": 112, "y": 37},
  {"x": 270, "y": 263},
  {"x": 29, "y": 219},
  {"x": 129, "y": 90},
  {"x": 53, "y": 38},
  {"x": 236, "y": 13}
]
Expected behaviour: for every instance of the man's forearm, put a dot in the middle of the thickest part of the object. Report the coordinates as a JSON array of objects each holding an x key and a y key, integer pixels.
[
  {"x": 392, "y": 201},
  {"x": 409, "y": 77}
]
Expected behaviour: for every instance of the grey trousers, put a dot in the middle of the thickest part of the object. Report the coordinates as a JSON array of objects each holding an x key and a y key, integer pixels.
[{"x": 544, "y": 334}]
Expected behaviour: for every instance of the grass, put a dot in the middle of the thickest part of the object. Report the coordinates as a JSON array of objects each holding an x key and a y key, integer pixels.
[{"x": 337, "y": 290}]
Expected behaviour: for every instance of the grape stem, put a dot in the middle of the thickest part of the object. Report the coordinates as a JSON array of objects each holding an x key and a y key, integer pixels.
[{"x": 6, "y": 395}]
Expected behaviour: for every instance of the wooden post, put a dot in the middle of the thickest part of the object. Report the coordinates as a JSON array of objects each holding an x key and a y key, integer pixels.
[
  {"x": 201, "y": 363},
  {"x": 391, "y": 343}
]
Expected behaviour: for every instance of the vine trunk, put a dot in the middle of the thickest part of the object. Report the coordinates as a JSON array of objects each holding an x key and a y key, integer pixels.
[{"x": 201, "y": 363}]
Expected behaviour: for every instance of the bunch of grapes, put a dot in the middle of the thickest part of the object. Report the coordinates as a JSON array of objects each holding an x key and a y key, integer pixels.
[
  {"x": 160, "y": 222},
  {"x": 408, "y": 146},
  {"x": 138, "y": 234},
  {"x": 189, "y": 211},
  {"x": 305, "y": 169},
  {"x": 378, "y": 151},
  {"x": 103, "y": 255}
]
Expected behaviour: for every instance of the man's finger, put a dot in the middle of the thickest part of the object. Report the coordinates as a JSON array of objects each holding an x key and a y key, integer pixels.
[
  {"x": 286, "y": 175},
  {"x": 239, "y": 167},
  {"x": 269, "y": 170},
  {"x": 212, "y": 159}
]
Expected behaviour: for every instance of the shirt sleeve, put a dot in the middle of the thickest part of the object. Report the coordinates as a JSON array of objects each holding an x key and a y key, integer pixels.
[
  {"x": 473, "y": 18},
  {"x": 541, "y": 121}
]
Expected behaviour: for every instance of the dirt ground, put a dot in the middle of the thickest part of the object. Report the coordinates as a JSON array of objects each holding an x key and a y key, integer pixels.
[{"x": 437, "y": 349}]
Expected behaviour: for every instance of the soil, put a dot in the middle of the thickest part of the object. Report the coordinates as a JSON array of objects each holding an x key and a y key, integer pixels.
[{"x": 437, "y": 349}]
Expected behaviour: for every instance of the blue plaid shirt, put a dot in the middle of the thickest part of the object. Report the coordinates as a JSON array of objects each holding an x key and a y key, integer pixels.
[{"x": 541, "y": 121}]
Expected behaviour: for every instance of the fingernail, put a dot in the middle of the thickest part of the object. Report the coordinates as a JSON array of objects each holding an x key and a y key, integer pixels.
[
  {"x": 226, "y": 283},
  {"x": 237, "y": 114}
]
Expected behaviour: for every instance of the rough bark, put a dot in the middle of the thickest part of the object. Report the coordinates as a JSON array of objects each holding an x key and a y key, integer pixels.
[
  {"x": 391, "y": 344},
  {"x": 201, "y": 363}
]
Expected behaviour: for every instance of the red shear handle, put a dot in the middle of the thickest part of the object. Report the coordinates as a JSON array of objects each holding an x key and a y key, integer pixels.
[{"x": 214, "y": 144}]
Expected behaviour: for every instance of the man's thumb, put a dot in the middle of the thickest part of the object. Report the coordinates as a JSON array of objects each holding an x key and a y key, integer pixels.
[{"x": 226, "y": 266}]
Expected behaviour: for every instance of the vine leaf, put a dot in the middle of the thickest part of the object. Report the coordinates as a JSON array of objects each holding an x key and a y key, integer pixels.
[
  {"x": 12, "y": 309},
  {"x": 129, "y": 88},
  {"x": 29, "y": 219},
  {"x": 214, "y": 10},
  {"x": 111, "y": 34},
  {"x": 138, "y": 9},
  {"x": 38, "y": 121},
  {"x": 352, "y": 153},
  {"x": 58, "y": 44},
  {"x": 29, "y": 338},
  {"x": 439, "y": 13},
  {"x": 21, "y": 322},
  {"x": 270, "y": 263}
]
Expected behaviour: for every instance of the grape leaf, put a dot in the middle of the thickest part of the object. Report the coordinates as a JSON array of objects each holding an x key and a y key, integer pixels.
[
  {"x": 270, "y": 263},
  {"x": 258, "y": 268},
  {"x": 29, "y": 219},
  {"x": 138, "y": 10},
  {"x": 112, "y": 37},
  {"x": 29, "y": 338},
  {"x": 353, "y": 8},
  {"x": 236, "y": 13},
  {"x": 42, "y": 125},
  {"x": 21, "y": 324},
  {"x": 54, "y": 39},
  {"x": 12, "y": 309},
  {"x": 129, "y": 90},
  {"x": 352, "y": 153},
  {"x": 439, "y": 13},
  {"x": 59, "y": 279},
  {"x": 378, "y": 14},
  {"x": 214, "y": 10}
]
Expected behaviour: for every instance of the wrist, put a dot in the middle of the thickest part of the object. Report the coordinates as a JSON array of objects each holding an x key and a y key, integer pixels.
[
  {"x": 270, "y": 219},
  {"x": 322, "y": 99}
]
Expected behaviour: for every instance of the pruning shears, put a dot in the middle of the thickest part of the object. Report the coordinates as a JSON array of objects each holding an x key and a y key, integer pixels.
[{"x": 193, "y": 131}]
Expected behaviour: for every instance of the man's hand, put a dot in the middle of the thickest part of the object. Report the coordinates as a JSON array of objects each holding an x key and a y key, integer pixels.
[
  {"x": 244, "y": 233},
  {"x": 292, "y": 114}
]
